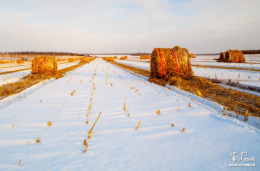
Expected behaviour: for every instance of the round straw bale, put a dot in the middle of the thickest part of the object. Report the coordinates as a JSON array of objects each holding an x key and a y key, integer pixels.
[
  {"x": 142, "y": 57},
  {"x": 172, "y": 62},
  {"x": 110, "y": 59},
  {"x": 235, "y": 56},
  {"x": 42, "y": 64},
  {"x": 123, "y": 58},
  {"x": 84, "y": 59}
]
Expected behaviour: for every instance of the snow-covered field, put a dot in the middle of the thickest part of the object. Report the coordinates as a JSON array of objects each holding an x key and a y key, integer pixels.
[
  {"x": 243, "y": 76},
  {"x": 206, "y": 144},
  {"x": 16, "y": 76}
]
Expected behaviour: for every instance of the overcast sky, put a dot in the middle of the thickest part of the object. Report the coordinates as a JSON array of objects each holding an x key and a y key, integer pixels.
[{"x": 99, "y": 26}]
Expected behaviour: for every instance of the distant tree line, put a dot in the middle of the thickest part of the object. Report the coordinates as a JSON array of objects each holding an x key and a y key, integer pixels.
[
  {"x": 29, "y": 53},
  {"x": 251, "y": 51},
  {"x": 139, "y": 54}
]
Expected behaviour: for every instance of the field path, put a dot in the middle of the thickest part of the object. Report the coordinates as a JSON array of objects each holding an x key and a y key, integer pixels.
[{"x": 205, "y": 144}]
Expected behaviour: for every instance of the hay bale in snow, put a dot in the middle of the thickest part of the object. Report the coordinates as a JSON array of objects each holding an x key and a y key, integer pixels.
[
  {"x": 110, "y": 59},
  {"x": 234, "y": 56},
  {"x": 84, "y": 59},
  {"x": 123, "y": 58},
  {"x": 145, "y": 57},
  {"x": 171, "y": 62},
  {"x": 44, "y": 64},
  {"x": 142, "y": 57}
]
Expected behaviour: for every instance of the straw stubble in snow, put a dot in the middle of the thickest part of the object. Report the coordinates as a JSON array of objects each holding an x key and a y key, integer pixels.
[{"x": 115, "y": 144}]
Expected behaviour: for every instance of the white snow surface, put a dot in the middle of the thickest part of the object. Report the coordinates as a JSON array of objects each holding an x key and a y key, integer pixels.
[{"x": 206, "y": 143}]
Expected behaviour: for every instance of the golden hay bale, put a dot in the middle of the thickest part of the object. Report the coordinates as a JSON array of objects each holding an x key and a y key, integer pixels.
[
  {"x": 123, "y": 58},
  {"x": 84, "y": 59},
  {"x": 19, "y": 61},
  {"x": 172, "y": 62},
  {"x": 115, "y": 57},
  {"x": 44, "y": 64},
  {"x": 234, "y": 56},
  {"x": 143, "y": 57},
  {"x": 110, "y": 58}
]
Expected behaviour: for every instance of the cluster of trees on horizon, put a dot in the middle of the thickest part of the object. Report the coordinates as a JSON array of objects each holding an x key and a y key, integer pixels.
[
  {"x": 33, "y": 53},
  {"x": 251, "y": 51}
]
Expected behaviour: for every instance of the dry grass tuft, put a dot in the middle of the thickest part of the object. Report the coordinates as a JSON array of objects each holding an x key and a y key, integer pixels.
[
  {"x": 138, "y": 125},
  {"x": 49, "y": 123},
  {"x": 246, "y": 117},
  {"x": 38, "y": 140}
]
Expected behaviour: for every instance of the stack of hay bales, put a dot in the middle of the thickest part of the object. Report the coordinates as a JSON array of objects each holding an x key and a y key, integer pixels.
[
  {"x": 104, "y": 58},
  {"x": 123, "y": 58},
  {"x": 170, "y": 62},
  {"x": 44, "y": 64},
  {"x": 235, "y": 56}
]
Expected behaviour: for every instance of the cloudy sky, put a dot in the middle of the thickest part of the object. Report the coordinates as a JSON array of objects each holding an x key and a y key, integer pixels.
[{"x": 203, "y": 26}]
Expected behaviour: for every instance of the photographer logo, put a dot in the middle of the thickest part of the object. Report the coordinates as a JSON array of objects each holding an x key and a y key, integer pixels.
[{"x": 242, "y": 161}]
